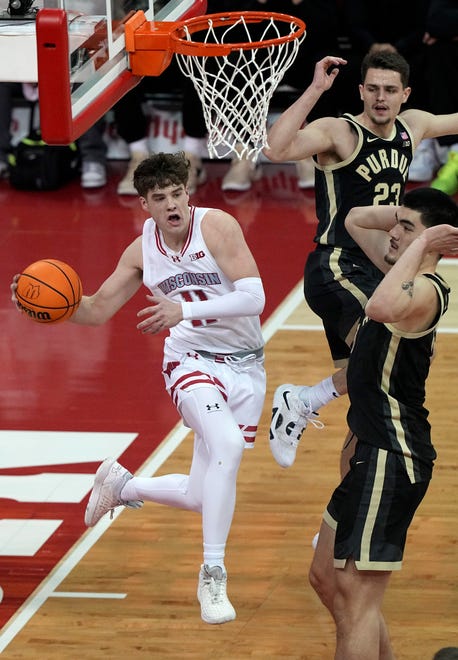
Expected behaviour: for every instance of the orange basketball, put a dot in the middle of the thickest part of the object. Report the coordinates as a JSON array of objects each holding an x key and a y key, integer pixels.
[{"x": 49, "y": 291}]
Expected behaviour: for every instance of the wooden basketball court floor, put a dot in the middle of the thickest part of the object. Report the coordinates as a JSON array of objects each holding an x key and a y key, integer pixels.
[{"x": 69, "y": 396}]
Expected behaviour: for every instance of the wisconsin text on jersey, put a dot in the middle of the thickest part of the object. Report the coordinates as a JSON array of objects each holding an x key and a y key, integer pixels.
[
  {"x": 188, "y": 279},
  {"x": 382, "y": 160}
]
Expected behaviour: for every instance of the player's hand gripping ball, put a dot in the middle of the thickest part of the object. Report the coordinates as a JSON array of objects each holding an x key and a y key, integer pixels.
[{"x": 49, "y": 291}]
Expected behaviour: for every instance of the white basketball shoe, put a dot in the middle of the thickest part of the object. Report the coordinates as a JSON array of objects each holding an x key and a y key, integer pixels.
[
  {"x": 215, "y": 606},
  {"x": 110, "y": 479},
  {"x": 290, "y": 417}
]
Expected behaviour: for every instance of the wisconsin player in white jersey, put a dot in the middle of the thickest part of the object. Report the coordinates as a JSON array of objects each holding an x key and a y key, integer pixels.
[{"x": 205, "y": 287}]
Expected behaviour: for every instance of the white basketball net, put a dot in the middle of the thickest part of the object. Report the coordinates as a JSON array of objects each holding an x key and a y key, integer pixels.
[{"x": 236, "y": 89}]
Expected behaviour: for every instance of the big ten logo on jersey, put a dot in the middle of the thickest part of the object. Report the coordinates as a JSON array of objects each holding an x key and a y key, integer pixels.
[
  {"x": 197, "y": 255},
  {"x": 165, "y": 130}
]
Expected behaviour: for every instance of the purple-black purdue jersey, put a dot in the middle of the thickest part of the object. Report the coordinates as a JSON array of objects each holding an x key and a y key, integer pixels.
[
  {"x": 375, "y": 173},
  {"x": 386, "y": 378}
]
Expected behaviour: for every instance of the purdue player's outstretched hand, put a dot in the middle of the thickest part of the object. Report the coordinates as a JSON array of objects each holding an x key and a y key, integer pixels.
[{"x": 326, "y": 71}]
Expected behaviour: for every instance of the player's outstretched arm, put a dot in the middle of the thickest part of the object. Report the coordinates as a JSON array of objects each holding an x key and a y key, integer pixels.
[
  {"x": 115, "y": 291},
  {"x": 286, "y": 138},
  {"x": 424, "y": 124}
]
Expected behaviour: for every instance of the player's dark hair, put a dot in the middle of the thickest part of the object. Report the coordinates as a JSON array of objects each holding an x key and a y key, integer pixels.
[
  {"x": 161, "y": 170},
  {"x": 386, "y": 59},
  {"x": 434, "y": 206}
]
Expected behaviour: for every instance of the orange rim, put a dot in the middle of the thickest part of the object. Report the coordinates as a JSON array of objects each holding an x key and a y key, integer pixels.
[{"x": 182, "y": 46}]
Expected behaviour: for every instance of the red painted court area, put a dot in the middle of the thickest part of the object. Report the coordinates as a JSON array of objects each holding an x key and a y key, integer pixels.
[{"x": 95, "y": 389}]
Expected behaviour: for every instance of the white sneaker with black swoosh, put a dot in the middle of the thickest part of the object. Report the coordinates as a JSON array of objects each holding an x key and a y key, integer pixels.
[{"x": 290, "y": 416}]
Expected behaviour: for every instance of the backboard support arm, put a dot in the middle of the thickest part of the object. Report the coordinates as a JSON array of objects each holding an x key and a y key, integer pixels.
[{"x": 59, "y": 124}]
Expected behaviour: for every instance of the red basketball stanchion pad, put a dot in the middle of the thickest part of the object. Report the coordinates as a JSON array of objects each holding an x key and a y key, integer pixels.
[
  {"x": 58, "y": 123},
  {"x": 58, "y": 126}
]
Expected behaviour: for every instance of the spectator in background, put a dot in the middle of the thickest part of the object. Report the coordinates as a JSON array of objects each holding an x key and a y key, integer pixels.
[
  {"x": 132, "y": 125},
  {"x": 7, "y": 91},
  {"x": 441, "y": 39},
  {"x": 195, "y": 135},
  {"x": 93, "y": 150}
]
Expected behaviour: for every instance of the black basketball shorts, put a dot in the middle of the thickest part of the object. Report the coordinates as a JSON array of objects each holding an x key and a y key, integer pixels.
[
  {"x": 337, "y": 286},
  {"x": 371, "y": 510}
]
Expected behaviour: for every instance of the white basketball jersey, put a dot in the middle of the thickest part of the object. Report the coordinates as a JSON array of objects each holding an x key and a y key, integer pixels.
[{"x": 193, "y": 274}]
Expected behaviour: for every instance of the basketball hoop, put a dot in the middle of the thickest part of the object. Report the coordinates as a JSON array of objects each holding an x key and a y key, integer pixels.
[{"x": 235, "y": 80}]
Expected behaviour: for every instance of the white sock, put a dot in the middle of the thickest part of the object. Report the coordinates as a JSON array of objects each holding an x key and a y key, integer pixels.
[
  {"x": 319, "y": 395},
  {"x": 214, "y": 555}
]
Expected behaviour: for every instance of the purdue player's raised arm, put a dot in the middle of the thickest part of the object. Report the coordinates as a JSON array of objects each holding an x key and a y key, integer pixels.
[
  {"x": 287, "y": 138},
  {"x": 369, "y": 226}
]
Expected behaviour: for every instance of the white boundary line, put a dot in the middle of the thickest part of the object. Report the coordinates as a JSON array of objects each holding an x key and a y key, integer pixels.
[
  {"x": 86, "y": 594},
  {"x": 283, "y": 311}
]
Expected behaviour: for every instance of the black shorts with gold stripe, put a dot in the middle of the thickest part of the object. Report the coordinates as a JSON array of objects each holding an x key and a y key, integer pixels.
[
  {"x": 371, "y": 510},
  {"x": 337, "y": 285}
]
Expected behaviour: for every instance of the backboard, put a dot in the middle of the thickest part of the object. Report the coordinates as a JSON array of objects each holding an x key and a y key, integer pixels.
[{"x": 82, "y": 61}]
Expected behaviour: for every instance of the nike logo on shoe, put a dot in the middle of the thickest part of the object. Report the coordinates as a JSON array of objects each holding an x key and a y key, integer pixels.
[{"x": 285, "y": 399}]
